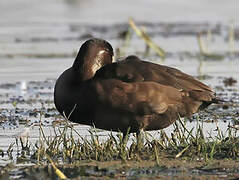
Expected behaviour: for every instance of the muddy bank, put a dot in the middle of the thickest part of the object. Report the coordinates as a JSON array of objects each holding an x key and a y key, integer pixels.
[{"x": 168, "y": 168}]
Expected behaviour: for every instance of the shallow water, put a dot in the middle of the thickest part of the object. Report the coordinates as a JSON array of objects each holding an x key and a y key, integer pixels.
[{"x": 26, "y": 104}]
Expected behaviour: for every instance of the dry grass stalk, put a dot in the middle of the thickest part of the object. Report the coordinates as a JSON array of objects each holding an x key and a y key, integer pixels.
[{"x": 147, "y": 39}]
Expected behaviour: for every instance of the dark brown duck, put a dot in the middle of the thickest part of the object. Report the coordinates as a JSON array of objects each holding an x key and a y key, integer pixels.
[{"x": 129, "y": 94}]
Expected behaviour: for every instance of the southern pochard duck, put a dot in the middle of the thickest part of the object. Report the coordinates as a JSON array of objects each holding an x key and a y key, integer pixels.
[{"x": 129, "y": 94}]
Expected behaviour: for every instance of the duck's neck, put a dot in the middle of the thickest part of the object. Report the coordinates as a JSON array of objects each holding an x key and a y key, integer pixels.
[
  {"x": 86, "y": 65},
  {"x": 83, "y": 69}
]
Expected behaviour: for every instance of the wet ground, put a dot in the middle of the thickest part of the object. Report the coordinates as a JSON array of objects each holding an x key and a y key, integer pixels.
[
  {"x": 171, "y": 168},
  {"x": 36, "y": 45}
]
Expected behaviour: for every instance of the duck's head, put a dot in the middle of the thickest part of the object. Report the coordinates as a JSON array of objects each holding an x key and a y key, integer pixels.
[{"x": 93, "y": 54}]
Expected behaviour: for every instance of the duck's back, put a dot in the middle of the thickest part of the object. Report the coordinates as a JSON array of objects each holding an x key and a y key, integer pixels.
[{"x": 132, "y": 69}]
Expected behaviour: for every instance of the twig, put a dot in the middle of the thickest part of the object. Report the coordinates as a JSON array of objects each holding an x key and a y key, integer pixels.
[
  {"x": 58, "y": 172},
  {"x": 201, "y": 44},
  {"x": 234, "y": 127},
  {"x": 147, "y": 39},
  {"x": 180, "y": 153}
]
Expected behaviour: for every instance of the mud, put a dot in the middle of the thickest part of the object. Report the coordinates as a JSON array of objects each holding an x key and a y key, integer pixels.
[{"x": 173, "y": 168}]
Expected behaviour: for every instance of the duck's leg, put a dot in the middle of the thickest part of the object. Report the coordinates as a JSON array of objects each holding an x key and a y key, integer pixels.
[
  {"x": 140, "y": 138},
  {"x": 125, "y": 137}
]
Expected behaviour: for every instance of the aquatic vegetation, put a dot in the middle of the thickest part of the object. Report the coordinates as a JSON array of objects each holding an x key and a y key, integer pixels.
[
  {"x": 70, "y": 154},
  {"x": 67, "y": 147}
]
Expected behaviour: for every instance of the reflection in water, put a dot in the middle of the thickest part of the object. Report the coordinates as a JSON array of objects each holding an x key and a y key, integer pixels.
[{"x": 23, "y": 88}]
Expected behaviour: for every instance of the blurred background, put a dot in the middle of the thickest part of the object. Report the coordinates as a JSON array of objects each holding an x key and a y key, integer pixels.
[{"x": 35, "y": 35}]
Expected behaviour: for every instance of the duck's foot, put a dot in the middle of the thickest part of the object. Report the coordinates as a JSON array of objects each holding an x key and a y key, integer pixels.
[
  {"x": 126, "y": 135},
  {"x": 125, "y": 138},
  {"x": 140, "y": 139}
]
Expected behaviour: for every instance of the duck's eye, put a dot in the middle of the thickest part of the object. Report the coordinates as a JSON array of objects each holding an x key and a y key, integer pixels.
[{"x": 101, "y": 52}]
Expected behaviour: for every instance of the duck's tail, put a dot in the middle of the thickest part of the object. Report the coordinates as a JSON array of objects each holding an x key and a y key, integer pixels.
[{"x": 217, "y": 100}]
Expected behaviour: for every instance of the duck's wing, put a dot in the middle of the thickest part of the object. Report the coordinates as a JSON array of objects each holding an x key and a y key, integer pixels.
[
  {"x": 150, "y": 105},
  {"x": 132, "y": 69},
  {"x": 136, "y": 97}
]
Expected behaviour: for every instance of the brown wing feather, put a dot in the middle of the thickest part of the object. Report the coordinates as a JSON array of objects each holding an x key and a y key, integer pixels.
[
  {"x": 138, "y": 97},
  {"x": 132, "y": 69},
  {"x": 150, "y": 103},
  {"x": 175, "y": 83}
]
